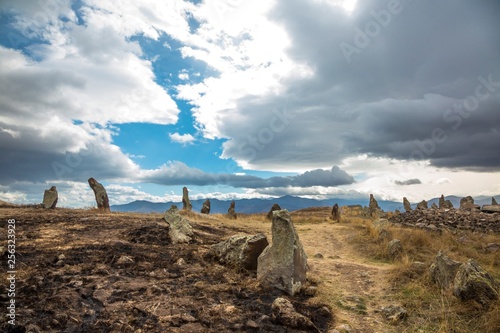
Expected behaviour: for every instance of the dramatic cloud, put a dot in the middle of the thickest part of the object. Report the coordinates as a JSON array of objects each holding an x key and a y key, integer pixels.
[
  {"x": 178, "y": 173},
  {"x": 409, "y": 90},
  {"x": 408, "y": 182}
]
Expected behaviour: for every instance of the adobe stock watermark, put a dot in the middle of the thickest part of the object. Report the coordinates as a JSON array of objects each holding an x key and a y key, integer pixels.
[
  {"x": 364, "y": 36},
  {"x": 70, "y": 163},
  {"x": 454, "y": 117}
]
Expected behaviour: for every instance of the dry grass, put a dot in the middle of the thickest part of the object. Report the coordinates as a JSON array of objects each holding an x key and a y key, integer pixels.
[{"x": 432, "y": 309}]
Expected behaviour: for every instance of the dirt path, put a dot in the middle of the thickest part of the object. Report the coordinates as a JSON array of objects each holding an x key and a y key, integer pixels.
[{"x": 356, "y": 286}]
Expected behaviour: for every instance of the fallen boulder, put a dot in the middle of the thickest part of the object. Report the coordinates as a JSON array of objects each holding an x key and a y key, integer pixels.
[
  {"x": 283, "y": 265},
  {"x": 284, "y": 313},
  {"x": 472, "y": 282},
  {"x": 240, "y": 251},
  {"x": 443, "y": 270}
]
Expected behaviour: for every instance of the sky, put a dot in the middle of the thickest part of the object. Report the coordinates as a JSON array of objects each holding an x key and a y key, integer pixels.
[{"x": 249, "y": 99}]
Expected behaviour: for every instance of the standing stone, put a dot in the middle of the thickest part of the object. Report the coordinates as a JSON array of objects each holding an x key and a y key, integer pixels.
[
  {"x": 231, "y": 213},
  {"x": 283, "y": 265},
  {"x": 443, "y": 270},
  {"x": 269, "y": 215},
  {"x": 472, "y": 282},
  {"x": 441, "y": 201},
  {"x": 434, "y": 206},
  {"x": 394, "y": 249},
  {"x": 447, "y": 205},
  {"x": 240, "y": 252},
  {"x": 336, "y": 213},
  {"x": 101, "y": 197},
  {"x": 406, "y": 205},
  {"x": 422, "y": 205},
  {"x": 205, "y": 209},
  {"x": 180, "y": 231},
  {"x": 50, "y": 198},
  {"x": 467, "y": 203},
  {"x": 373, "y": 207},
  {"x": 186, "y": 204},
  {"x": 493, "y": 201}
]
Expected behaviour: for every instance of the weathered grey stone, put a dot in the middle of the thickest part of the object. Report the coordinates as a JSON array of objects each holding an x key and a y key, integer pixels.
[
  {"x": 441, "y": 201},
  {"x": 240, "y": 251},
  {"x": 50, "y": 198},
  {"x": 373, "y": 207},
  {"x": 231, "y": 213},
  {"x": 394, "y": 249},
  {"x": 283, "y": 265},
  {"x": 472, "y": 282},
  {"x": 443, "y": 270},
  {"x": 275, "y": 207},
  {"x": 101, "y": 197},
  {"x": 336, "y": 213},
  {"x": 180, "y": 230},
  {"x": 406, "y": 205},
  {"x": 493, "y": 201},
  {"x": 422, "y": 205},
  {"x": 467, "y": 203},
  {"x": 447, "y": 204},
  {"x": 434, "y": 206},
  {"x": 186, "y": 204},
  {"x": 284, "y": 313},
  {"x": 205, "y": 209}
]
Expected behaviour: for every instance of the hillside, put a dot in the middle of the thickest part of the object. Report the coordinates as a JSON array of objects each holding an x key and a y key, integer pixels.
[
  {"x": 83, "y": 271},
  {"x": 255, "y": 206}
]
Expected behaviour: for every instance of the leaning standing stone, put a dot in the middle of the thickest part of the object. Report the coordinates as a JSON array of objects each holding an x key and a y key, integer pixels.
[
  {"x": 101, "y": 197},
  {"x": 406, "y": 205},
  {"x": 186, "y": 204},
  {"x": 50, "y": 198},
  {"x": 283, "y": 265}
]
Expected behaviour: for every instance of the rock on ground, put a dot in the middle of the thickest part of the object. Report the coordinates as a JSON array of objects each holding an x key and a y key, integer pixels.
[
  {"x": 240, "y": 251},
  {"x": 472, "y": 282},
  {"x": 180, "y": 230},
  {"x": 284, "y": 313},
  {"x": 443, "y": 270},
  {"x": 394, "y": 249},
  {"x": 283, "y": 265}
]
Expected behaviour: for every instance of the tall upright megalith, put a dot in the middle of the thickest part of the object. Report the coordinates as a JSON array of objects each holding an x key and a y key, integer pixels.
[
  {"x": 101, "y": 197},
  {"x": 231, "y": 213},
  {"x": 373, "y": 208},
  {"x": 186, "y": 204},
  {"x": 283, "y": 265},
  {"x": 50, "y": 198},
  {"x": 336, "y": 213},
  {"x": 406, "y": 205}
]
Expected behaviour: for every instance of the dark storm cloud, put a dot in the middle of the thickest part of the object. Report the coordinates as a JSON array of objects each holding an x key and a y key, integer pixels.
[
  {"x": 414, "y": 181},
  {"x": 178, "y": 173},
  {"x": 423, "y": 83}
]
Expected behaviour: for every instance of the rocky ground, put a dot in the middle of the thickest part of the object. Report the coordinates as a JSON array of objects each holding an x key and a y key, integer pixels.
[
  {"x": 451, "y": 219},
  {"x": 79, "y": 271}
]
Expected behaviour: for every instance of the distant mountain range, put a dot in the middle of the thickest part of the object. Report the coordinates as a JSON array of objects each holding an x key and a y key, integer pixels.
[{"x": 252, "y": 206}]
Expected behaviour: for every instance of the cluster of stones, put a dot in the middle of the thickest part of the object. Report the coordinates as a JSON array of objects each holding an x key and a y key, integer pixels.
[
  {"x": 281, "y": 265},
  {"x": 468, "y": 217}
]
